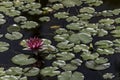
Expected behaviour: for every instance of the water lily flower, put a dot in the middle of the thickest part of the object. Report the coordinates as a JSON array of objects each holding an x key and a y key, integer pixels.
[{"x": 34, "y": 43}]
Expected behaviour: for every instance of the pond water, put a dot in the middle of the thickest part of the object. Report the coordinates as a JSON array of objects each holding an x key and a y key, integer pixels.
[{"x": 45, "y": 32}]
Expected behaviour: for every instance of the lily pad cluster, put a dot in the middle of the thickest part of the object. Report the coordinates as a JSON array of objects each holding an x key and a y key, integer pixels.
[{"x": 79, "y": 42}]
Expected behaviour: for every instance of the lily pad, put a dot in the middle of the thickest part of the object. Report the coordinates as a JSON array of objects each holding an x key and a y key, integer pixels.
[
  {"x": 59, "y": 63},
  {"x": 14, "y": 71},
  {"x": 4, "y": 46},
  {"x": 61, "y": 15},
  {"x": 13, "y": 28},
  {"x": 88, "y": 56},
  {"x": 77, "y": 62},
  {"x": 107, "y": 51},
  {"x": 69, "y": 76},
  {"x": 84, "y": 37},
  {"x": 22, "y": 59},
  {"x": 104, "y": 44},
  {"x": 14, "y": 36},
  {"x": 94, "y": 66},
  {"x": 29, "y": 25},
  {"x": 87, "y": 10},
  {"x": 69, "y": 67},
  {"x": 65, "y": 56},
  {"x": 20, "y": 19},
  {"x": 31, "y": 71},
  {"x": 49, "y": 71}
]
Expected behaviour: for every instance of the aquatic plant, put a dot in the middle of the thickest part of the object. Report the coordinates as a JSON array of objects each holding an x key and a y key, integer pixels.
[{"x": 75, "y": 41}]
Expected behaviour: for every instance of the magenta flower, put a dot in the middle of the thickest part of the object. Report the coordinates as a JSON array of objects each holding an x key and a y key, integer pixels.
[{"x": 34, "y": 43}]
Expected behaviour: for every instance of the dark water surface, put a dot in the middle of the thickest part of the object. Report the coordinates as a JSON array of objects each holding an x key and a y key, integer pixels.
[{"x": 45, "y": 32}]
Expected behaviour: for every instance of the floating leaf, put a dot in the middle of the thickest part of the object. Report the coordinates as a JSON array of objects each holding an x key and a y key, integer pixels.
[
  {"x": 72, "y": 19},
  {"x": 13, "y": 28},
  {"x": 59, "y": 63},
  {"x": 84, "y": 37},
  {"x": 107, "y": 51},
  {"x": 108, "y": 76},
  {"x": 69, "y": 67},
  {"x": 29, "y": 25},
  {"x": 61, "y": 15},
  {"x": 85, "y": 16},
  {"x": 4, "y": 46},
  {"x": 65, "y": 45},
  {"x": 104, "y": 43},
  {"x": 101, "y": 60},
  {"x": 74, "y": 26},
  {"x": 102, "y": 32},
  {"x": 77, "y": 62},
  {"x": 14, "y": 36},
  {"x": 65, "y": 56},
  {"x": 45, "y": 18},
  {"x": 106, "y": 21},
  {"x": 20, "y": 19},
  {"x": 94, "y": 66},
  {"x": 49, "y": 71},
  {"x": 88, "y": 56},
  {"x": 87, "y": 10},
  {"x": 57, "y": 6},
  {"x": 22, "y": 59},
  {"x": 69, "y": 76},
  {"x": 14, "y": 71},
  {"x": 79, "y": 48},
  {"x": 2, "y": 21},
  {"x": 71, "y": 3},
  {"x": 31, "y": 71}
]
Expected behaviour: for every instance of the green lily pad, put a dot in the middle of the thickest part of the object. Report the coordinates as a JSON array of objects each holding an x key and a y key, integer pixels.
[
  {"x": 87, "y": 10},
  {"x": 45, "y": 18},
  {"x": 61, "y": 15},
  {"x": 71, "y": 3},
  {"x": 85, "y": 16},
  {"x": 101, "y": 60},
  {"x": 59, "y": 63},
  {"x": 13, "y": 28},
  {"x": 104, "y": 44},
  {"x": 14, "y": 71},
  {"x": 65, "y": 56},
  {"x": 65, "y": 45},
  {"x": 31, "y": 71},
  {"x": 84, "y": 37},
  {"x": 76, "y": 62},
  {"x": 20, "y": 19},
  {"x": 61, "y": 31},
  {"x": 94, "y": 66},
  {"x": 107, "y": 51},
  {"x": 79, "y": 48},
  {"x": 49, "y": 71},
  {"x": 106, "y": 21},
  {"x": 74, "y": 26},
  {"x": 102, "y": 32},
  {"x": 2, "y": 72},
  {"x": 29, "y": 25},
  {"x": 22, "y": 59},
  {"x": 108, "y": 76},
  {"x": 14, "y": 36},
  {"x": 88, "y": 56},
  {"x": 69, "y": 76},
  {"x": 74, "y": 39},
  {"x": 69, "y": 67},
  {"x": 2, "y": 21},
  {"x": 4, "y": 46},
  {"x": 57, "y": 6},
  {"x": 72, "y": 19}
]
